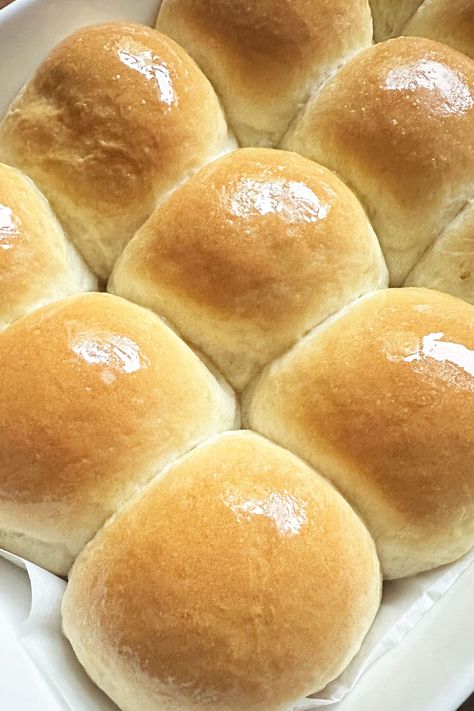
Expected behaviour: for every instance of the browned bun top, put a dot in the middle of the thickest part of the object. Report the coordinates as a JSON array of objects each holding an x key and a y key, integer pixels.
[
  {"x": 397, "y": 123},
  {"x": 37, "y": 262},
  {"x": 249, "y": 254},
  {"x": 448, "y": 21},
  {"x": 240, "y": 579},
  {"x": 381, "y": 400},
  {"x": 96, "y": 394},
  {"x": 263, "y": 56},
  {"x": 114, "y": 116}
]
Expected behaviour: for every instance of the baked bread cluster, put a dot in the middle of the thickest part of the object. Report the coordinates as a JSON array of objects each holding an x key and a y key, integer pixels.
[{"x": 281, "y": 209}]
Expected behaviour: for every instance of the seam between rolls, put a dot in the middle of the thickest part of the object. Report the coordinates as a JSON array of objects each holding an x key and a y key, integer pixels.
[
  {"x": 410, "y": 18},
  {"x": 439, "y": 236},
  {"x": 315, "y": 88}
]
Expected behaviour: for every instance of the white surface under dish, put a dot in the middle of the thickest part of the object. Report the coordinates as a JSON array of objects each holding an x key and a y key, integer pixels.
[{"x": 432, "y": 669}]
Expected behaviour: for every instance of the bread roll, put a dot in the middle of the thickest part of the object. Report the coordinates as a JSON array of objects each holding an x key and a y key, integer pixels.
[
  {"x": 448, "y": 21},
  {"x": 397, "y": 123},
  {"x": 96, "y": 396},
  {"x": 390, "y": 16},
  {"x": 37, "y": 262},
  {"x": 449, "y": 264},
  {"x": 264, "y": 57},
  {"x": 380, "y": 399},
  {"x": 239, "y": 579},
  {"x": 115, "y": 117},
  {"x": 249, "y": 254}
]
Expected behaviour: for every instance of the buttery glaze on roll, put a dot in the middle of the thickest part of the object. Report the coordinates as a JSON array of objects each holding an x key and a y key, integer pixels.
[
  {"x": 380, "y": 399},
  {"x": 397, "y": 124},
  {"x": 249, "y": 254},
  {"x": 264, "y": 57},
  {"x": 114, "y": 117},
  {"x": 239, "y": 579},
  {"x": 448, "y": 21},
  {"x": 96, "y": 395},
  {"x": 37, "y": 262}
]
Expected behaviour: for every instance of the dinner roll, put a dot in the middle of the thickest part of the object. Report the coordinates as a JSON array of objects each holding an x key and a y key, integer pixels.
[
  {"x": 397, "y": 123},
  {"x": 391, "y": 15},
  {"x": 380, "y": 399},
  {"x": 115, "y": 117},
  {"x": 37, "y": 262},
  {"x": 264, "y": 57},
  {"x": 249, "y": 254},
  {"x": 448, "y": 21},
  {"x": 97, "y": 394},
  {"x": 239, "y": 579},
  {"x": 449, "y": 264}
]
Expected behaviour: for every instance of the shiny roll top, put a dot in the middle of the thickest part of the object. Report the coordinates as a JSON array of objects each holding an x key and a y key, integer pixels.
[
  {"x": 96, "y": 395},
  {"x": 37, "y": 262},
  {"x": 264, "y": 57},
  {"x": 249, "y": 254},
  {"x": 114, "y": 117},
  {"x": 447, "y": 21},
  {"x": 397, "y": 124},
  {"x": 239, "y": 579},
  {"x": 380, "y": 399}
]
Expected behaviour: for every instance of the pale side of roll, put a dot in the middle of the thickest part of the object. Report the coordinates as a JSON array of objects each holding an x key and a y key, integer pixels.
[
  {"x": 448, "y": 21},
  {"x": 252, "y": 252},
  {"x": 238, "y": 579},
  {"x": 96, "y": 395},
  {"x": 397, "y": 124},
  {"x": 389, "y": 16},
  {"x": 449, "y": 263},
  {"x": 380, "y": 399},
  {"x": 264, "y": 57},
  {"x": 113, "y": 119},
  {"x": 38, "y": 264}
]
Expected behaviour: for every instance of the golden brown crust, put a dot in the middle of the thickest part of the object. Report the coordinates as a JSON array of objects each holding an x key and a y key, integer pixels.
[
  {"x": 114, "y": 116},
  {"x": 448, "y": 21},
  {"x": 381, "y": 400},
  {"x": 181, "y": 627},
  {"x": 249, "y": 254},
  {"x": 97, "y": 395},
  {"x": 37, "y": 263},
  {"x": 263, "y": 56},
  {"x": 397, "y": 123}
]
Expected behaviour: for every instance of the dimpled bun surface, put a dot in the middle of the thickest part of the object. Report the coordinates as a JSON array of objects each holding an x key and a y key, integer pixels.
[
  {"x": 397, "y": 124},
  {"x": 380, "y": 399},
  {"x": 37, "y": 262},
  {"x": 97, "y": 394},
  {"x": 249, "y": 254},
  {"x": 114, "y": 117},
  {"x": 448, "y": 21},
  {"x": 239, "y": 579},
  {"x": 390, "y": 16},
  {"x": 265, "y": 56}
]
